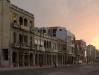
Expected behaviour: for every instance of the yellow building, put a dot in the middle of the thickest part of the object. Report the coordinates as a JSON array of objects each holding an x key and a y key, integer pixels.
[{"x": 16, "y": 35}]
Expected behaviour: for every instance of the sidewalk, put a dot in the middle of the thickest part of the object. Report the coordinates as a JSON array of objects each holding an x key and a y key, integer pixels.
[
  {"x": 23, "y": 68},
  {"x": 36, "y": 67}
]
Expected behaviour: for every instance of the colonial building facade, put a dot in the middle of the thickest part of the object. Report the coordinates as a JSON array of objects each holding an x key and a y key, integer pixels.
[
  {"x": 16, "y": 35},
  {"x": 66, "y": 36},
  {"x": 52, "y": 50}
]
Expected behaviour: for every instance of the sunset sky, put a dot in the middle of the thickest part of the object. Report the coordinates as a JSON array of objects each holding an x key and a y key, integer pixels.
[{"x": 79, "y": 16}]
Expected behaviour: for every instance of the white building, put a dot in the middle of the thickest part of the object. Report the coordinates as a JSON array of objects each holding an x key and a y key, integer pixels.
[{"x": 63, "y": 34}]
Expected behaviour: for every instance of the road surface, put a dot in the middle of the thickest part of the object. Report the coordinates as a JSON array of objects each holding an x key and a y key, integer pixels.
[{"x": 68, "y": 70}]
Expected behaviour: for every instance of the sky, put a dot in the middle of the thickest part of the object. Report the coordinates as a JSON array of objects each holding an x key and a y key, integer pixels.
[{"x": 81, "y": 17}]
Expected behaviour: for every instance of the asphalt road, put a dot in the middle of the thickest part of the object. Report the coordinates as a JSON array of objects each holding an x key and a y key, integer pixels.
[{"x": 68, "y": 70}]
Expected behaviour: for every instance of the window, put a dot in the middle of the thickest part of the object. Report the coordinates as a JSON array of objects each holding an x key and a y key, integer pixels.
[
  {"x": 14, "y": 37},
  {"x": 25, "y": 39},
  {"x": 14, "y": 21},
  {"x": 5, "y": 54},
  {"x": 44, "y": 31},
  {"x": 20, "y": 38},
  {"x": 60, "y": 29},
  {"x": 31, "y": 41},
  {"x": 25, "y": 22},
  {"x": 54, "y": 32},
  {"x": 31, "y": 25},
  {"x": 21, "y": 21}
]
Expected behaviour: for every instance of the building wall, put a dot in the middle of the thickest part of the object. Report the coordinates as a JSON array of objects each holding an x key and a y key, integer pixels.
[
  {"x": 4, "y": 29},
  {"x": 97, "y": 56},
  {"x": 80, "y": 48},
  {"x": 91, "y": 54},
  {"x": 65, "y": 35},
  {"x": 9, "y": 24}
]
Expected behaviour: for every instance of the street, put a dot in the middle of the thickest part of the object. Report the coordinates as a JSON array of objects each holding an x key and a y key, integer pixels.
[{"x": 68, "y": 70}]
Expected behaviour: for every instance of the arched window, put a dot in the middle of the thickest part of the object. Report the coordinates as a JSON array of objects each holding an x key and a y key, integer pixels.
[
  {"x": 25, "y": 22},
  {"x": 14, "y": 21},
  {"x": 21, "y": 21}
]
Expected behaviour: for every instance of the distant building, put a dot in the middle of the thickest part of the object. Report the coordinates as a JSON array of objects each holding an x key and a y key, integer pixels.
[
  {"x": 80, "y": 51},
  {"x": 91, "y": 54},
  {"x": 97, "y": 56}
]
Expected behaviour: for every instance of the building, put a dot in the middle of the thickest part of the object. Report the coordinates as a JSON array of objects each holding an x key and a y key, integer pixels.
[
  {"x": 65, "y": 35},
  {"x": 80, "y": 51},
  {"x": 91, "y": 54},
  {"x": 16, "y": 36},
  {"x": 59, "y": 32},
  {"x": 97, "y": 56},
  {"x": 49, "y": 50}
]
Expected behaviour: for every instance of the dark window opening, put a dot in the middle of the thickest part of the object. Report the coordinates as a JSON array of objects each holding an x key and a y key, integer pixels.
[
  {"x": 14, "y": 56},
  {"x": 25, "y": 22},
  {"x": 54, "y": 30},
  {"x": 44, "y": 31},
  {"x": 5, "y": 54},
  {"x": 60, "y": 29},
  {"x": 54, "y": 34},
  {"x": 20, "y": 39},
  {"x": 21, "y": 21},
  {"x": 14, "y": 21},
  {"x": 31, "y": 41}
]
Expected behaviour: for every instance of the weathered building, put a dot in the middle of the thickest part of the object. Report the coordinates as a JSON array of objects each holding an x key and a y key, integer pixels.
[
  {"x": 16, "y": 35},
  {"x": 80, "y": 51},
  {"x": 65, "y": 35},
  {"x": 97, "y": 56},
  {"x": 49, "y": 50},
  {"x": 91, "y": 54}
]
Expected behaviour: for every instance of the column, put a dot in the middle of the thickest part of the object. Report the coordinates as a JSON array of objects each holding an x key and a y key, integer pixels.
[
  {"x": 18, "y": 59},
  {"x": 10, "y": 57}
]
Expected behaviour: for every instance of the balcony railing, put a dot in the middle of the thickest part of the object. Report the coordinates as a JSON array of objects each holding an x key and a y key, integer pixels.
[
  {"x": 15, "y": 45},
  {"x": 25, "y": 28},
  {"x": 15, "y": 25},
  {"x": 21, "y": 27},
  {"x": 20, "y": 45}
]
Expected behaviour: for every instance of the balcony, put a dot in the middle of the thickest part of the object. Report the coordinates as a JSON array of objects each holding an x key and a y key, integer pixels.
[
  {"x": 15, "y": 45},
  {"x": 25, "y": 28},
  {"x": 15, "y": 25},
  {"x": 20, "y": 45}
]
